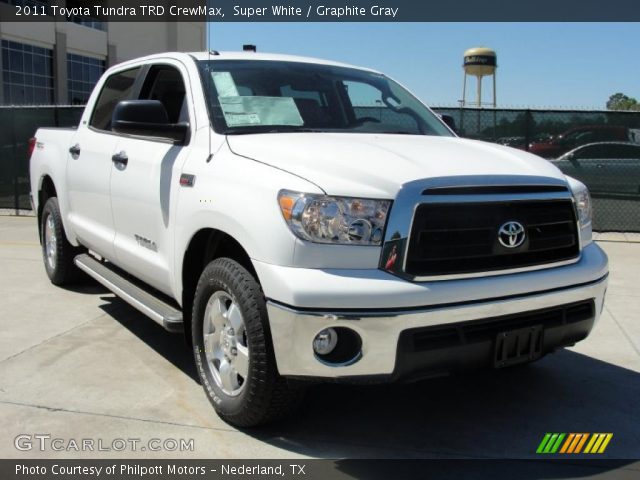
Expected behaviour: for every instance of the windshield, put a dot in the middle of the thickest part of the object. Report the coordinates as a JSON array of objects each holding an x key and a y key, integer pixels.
[{"x": 257, "y": 96}]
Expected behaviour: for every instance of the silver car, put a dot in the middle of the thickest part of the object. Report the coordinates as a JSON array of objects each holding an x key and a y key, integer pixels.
[{"x": 605, "y": 167}]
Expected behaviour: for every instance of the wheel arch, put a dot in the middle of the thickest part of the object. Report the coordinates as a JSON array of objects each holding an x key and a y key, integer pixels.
[
  {"x": 46, "y": 190},
  {"x": 206, "y": 245}
]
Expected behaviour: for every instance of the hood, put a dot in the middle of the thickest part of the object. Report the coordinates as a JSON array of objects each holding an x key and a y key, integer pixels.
[{"x": 376, "y": 166}]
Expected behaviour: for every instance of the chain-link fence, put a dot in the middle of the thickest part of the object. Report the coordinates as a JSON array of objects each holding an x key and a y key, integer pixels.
[
  {"x": 600, "y": 148},
  {"x": 17, "y": 125}
]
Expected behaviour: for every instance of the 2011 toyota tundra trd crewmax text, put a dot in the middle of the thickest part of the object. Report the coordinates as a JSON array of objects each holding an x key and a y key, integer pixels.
[{"x": 304, "y": 220}]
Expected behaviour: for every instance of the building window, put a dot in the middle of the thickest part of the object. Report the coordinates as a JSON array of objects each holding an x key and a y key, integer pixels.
[
  {"x": 82, "y": 75},
  {"x": 27, "y": 74},
  {"x": 87, "y": 21}
]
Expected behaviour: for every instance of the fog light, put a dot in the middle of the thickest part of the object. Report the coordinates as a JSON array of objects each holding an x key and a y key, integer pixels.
[{"x": 325, "y": 341}]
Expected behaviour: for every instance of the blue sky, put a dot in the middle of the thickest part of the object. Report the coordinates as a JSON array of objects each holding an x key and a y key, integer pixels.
[{"x": 539, "y": 64}]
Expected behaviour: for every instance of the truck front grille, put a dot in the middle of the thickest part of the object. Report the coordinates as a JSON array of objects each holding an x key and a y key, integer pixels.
[{"x": 462, "y": 238}]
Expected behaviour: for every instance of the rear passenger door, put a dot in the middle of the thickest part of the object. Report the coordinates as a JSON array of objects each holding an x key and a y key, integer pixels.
[
  {"x": 89, "y": 165},
  {"x": 143, "y": 192}
]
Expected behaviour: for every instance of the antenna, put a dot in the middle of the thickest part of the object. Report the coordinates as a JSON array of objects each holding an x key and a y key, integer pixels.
[{"x": 210, "y": 52}]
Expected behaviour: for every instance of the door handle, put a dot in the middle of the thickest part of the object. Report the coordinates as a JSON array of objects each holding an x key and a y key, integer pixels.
[
  {"x": 599, "y": 165},
  {"x": 120, "y": 158},
  {"x": 75, "y": 150}
]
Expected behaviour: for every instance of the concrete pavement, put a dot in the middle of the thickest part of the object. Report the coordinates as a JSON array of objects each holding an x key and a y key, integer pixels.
[{"x": 81, "y": 364}]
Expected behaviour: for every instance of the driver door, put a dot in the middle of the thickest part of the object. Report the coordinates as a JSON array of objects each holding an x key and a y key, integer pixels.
[{"x": 144, "y": 188}]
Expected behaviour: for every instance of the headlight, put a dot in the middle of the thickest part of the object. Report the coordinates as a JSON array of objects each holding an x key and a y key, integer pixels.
[
  {"x": 339, "y": 220},
  {"x": 583, "y": 203}
]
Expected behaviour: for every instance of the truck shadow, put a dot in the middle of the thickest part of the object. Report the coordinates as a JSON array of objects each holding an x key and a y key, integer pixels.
[
  {"x": 495, "y": 414},
  {"x": 487, "y": 414},
  {"x": 85, "y": 285},
  {"x": 90, "y": 288},
  {"x": 169, "y": 345}
]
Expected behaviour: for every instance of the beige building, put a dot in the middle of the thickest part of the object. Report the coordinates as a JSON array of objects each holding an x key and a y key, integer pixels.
[{"x": 59, "y": 62}]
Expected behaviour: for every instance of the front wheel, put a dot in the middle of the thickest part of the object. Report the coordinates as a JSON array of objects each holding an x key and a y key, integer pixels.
[{"x": 232, "y": 348}]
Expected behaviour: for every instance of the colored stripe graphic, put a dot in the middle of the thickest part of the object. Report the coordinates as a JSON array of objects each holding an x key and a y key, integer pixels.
[
  {"x": 598, "y": 443},
  {"x": 567, "y": 442},
  {"x": 590, "y": 444},
  {"x": 605, "y": 443},
  {"x": 550, "y": 443},
  {"x": 581, "y": 443},
  {"x": 574, "y": 443},
  {"x": 597, "y": 439},
  {"x": 543, "y": 443},
  {"x": 556, "y": 445}
]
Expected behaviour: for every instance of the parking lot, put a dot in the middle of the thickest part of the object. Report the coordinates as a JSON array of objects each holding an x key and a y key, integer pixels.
[{"x": 80, "y": 363}]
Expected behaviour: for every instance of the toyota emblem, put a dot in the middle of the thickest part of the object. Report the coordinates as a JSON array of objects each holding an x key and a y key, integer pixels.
[{"x": 511, "y": 234}]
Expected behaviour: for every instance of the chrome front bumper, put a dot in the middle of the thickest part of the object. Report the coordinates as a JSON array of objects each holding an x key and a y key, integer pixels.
[{"x": 293, "y": 330}]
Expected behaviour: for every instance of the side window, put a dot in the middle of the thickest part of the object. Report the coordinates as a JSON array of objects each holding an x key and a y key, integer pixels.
[
  {"x": 365, "y": 99},
  {"x": 117, "y": 87},
  {"x": 592, "y": 151},
  {"x": 631, "y": 151},
  {"x": 164, "y": 83},
  {"x": 363, "y": 94},
  {"x": 608, "y": 151}
]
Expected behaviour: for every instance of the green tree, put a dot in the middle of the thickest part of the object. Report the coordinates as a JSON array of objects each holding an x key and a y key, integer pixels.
[{"x": 620, "y": 101}]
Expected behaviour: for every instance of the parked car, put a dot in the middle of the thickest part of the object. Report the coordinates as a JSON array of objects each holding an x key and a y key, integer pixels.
[
  {"x": 241, "y": 198},
  {"x": 520, "y": 141},
  {"x": 516, "y": 141},
  {"x": 577, "y": 136},
  {"x": 608, "y": 167}
]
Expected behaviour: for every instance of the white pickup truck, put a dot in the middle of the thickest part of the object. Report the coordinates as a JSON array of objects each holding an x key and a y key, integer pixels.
[{"x": 305, "y": 220}]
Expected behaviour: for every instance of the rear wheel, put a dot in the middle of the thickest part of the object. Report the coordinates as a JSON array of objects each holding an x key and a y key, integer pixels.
[
  {"x": 232, "y": 348},
  {"x": 57, "y": 252}
]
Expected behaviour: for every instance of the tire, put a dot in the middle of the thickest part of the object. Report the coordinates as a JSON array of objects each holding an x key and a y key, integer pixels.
[
  {"x": 57, "y": 252},
  {"x": 244, "y": 389}
]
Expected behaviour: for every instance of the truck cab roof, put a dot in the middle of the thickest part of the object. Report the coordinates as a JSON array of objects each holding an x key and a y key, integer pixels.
[{"x": 242, "y": 55}]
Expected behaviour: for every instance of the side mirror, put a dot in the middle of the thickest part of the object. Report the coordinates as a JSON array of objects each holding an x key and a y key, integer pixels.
[
  {"x": 147, "y": 118},
  {"x": 451, "y": 123}
]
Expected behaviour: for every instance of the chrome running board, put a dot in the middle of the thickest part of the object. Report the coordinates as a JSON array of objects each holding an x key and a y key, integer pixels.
[{"x": 170, "y": 318}]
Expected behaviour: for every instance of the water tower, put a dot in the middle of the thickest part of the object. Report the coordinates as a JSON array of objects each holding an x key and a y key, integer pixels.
[{"x": 479, "y": 62}]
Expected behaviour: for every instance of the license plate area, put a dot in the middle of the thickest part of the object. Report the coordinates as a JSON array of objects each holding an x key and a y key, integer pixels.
[{"x": 518, "y": 346}]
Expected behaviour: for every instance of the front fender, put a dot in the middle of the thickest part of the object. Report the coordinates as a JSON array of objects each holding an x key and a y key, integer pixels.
[{"x": 237, "y": 196}]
